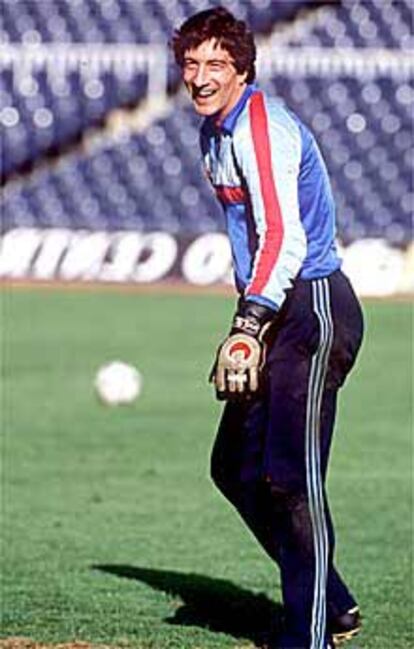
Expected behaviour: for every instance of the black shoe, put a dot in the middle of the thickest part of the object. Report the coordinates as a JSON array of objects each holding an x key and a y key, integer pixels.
[{"x": 346, "y": 626}]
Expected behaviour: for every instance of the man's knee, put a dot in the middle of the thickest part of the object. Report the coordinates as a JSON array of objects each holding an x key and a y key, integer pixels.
[
  {"x": 284, "y": 497},
  {"x": 294, "y": 506}
]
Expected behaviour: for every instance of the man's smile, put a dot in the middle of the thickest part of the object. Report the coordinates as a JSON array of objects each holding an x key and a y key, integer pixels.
[{"x": 203, "y": 93}]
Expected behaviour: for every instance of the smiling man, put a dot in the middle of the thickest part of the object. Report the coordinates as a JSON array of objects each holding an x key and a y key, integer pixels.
[
  {"x": 296, "y": 331},
  {"x": 212, "y": 79}
]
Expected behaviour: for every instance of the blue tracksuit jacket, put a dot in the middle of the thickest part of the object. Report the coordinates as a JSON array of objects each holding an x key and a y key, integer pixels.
[{"x": 269, "y": 175}]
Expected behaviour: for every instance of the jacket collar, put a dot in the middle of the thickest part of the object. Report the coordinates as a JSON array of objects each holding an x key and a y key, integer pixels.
[{"x": 229, "y": 123}]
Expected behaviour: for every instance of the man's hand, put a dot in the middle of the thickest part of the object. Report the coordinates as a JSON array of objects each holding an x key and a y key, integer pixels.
[
  {"x": 240, "y": 358},
  {"x": 236, "y": 372}
]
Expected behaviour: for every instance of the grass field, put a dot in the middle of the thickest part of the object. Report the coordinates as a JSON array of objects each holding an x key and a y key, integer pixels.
[{"x": 112, "y": 530}]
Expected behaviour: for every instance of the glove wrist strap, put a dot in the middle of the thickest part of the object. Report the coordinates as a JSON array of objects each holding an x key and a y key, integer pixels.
[{"x": 252, "y": 319}]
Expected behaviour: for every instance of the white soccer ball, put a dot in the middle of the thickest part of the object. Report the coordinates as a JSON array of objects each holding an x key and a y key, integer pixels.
[{"x": 118, "y": 383}]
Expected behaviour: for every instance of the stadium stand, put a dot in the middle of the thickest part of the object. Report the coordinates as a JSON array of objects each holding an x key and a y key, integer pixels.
[
  {"x": 109, "y": 189},
  {"x": 352, "y": 23},
  {"x": 359, "y": 24},
  {"x": 47, "y": 109},
  {"x": 364, "y": 129},
  {"x": 42, "y": 112},
  {"x": 125, "y": 21},
  {"x": 153, "y": 180}
]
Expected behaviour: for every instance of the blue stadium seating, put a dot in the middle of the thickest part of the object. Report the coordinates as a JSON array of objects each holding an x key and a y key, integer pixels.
[
  {"x": 360, "y": 24},
  {"x": 364, "y": 129},
  {"x": 148, "y": 182},
  {"x": 154, "y": 180},
  {"x": 124, "y": 21},
  {"x": 41, "y": 113},
  {"x": 355, "y": 23}
]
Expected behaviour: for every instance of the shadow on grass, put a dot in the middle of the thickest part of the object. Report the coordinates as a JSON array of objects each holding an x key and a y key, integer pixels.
[{"x": 216, "y": 604}]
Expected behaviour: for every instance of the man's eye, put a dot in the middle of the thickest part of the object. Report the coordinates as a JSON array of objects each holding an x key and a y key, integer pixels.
[{"x": 190, "y": 65}]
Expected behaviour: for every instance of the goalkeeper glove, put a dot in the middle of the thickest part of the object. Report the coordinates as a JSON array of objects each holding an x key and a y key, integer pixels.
[{"x": 240, "y": 358}]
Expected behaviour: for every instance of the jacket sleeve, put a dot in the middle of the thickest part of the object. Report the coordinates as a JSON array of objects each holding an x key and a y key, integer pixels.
[{"x": 267, "y": 148}]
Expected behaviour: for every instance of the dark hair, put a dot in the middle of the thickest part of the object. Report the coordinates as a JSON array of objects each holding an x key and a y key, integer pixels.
[{"x": 231, "y": 34}]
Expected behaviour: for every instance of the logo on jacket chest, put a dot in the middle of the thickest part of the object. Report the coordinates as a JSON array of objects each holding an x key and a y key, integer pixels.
[{"x": 220, "y": 164}]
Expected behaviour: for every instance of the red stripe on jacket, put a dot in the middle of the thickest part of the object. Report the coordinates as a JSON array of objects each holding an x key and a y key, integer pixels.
[
  {"x": 230, "y": 195},
  {"x": 273, "y": 215}
]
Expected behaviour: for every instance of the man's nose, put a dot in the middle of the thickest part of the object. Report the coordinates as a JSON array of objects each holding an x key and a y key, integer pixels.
[{"x": 201, "y": 76}]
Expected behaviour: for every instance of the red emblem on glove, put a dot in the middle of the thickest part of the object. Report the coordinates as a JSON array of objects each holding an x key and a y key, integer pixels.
[{"x": 242, "y": 348}]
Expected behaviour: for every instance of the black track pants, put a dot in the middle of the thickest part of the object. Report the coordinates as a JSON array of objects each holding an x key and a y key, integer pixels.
[{"x": 271, "y": 455}]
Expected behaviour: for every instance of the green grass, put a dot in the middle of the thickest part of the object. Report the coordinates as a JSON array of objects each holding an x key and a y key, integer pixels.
[{"x": 112, "y": 530}]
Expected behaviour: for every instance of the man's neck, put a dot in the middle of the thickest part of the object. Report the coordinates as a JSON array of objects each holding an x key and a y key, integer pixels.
[{"x": 222, "y": 116}]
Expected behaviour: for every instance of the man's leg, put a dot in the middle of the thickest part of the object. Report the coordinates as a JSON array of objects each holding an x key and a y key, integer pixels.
[
  {"x": 339, "y": 598},
  {"x": 237, "y": 470},
  {"x": 300, "y": 511},
  {"x": 309, "y": 361}
]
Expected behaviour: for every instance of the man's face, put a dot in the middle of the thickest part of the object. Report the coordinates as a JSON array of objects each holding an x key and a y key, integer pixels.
[{"x": 213, "y": 82}]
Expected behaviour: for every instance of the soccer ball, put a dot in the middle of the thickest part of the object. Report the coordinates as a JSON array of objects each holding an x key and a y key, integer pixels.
[{"x": 118, "y": 383}]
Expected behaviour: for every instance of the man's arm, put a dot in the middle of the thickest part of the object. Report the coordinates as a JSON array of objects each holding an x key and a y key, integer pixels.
[{"x": 268, "y": 151}]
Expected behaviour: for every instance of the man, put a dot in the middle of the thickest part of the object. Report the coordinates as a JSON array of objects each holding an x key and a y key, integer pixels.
[{"x": 296, "y": 330}]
